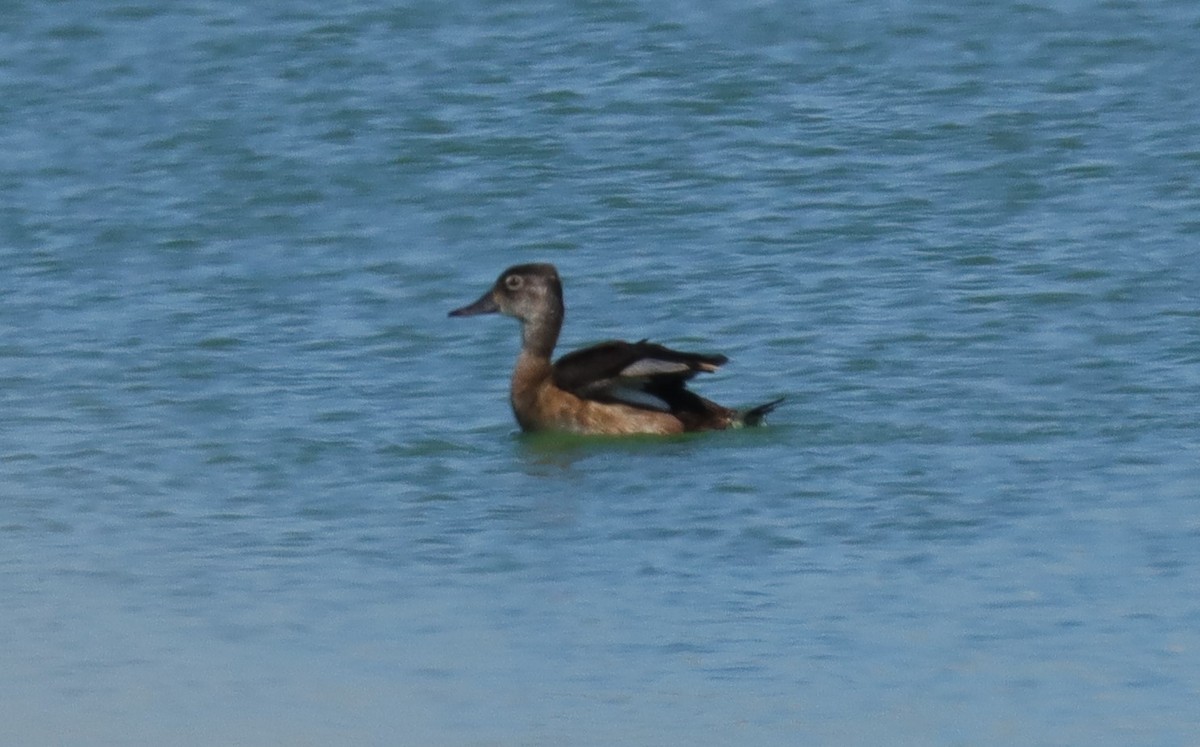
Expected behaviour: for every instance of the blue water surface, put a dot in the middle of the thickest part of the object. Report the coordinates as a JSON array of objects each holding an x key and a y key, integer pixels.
[{"x": 257, "y": 489}]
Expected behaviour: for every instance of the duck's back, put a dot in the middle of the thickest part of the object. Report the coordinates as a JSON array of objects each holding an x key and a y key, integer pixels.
[{"x": 645, "y": 376}]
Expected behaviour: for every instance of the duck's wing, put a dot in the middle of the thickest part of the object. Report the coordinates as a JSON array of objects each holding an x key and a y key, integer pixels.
[{"x": 638, "y": 373}]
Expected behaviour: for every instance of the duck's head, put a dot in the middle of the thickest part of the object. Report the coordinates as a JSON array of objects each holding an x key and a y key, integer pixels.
[{"x": 531, "y": 293}]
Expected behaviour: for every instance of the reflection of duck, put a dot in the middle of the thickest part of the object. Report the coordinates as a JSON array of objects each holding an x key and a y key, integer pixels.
[{"x": 612, "y": 388}]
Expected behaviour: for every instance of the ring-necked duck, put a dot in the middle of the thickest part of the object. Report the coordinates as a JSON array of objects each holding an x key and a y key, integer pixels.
[{"x": 613, "y": 388}]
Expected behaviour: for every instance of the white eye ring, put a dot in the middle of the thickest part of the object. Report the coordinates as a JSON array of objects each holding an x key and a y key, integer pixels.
[{"x": 513, "y": 282}]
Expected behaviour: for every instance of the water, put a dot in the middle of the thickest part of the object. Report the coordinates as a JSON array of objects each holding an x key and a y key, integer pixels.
[{"x": 257, "y": 488}]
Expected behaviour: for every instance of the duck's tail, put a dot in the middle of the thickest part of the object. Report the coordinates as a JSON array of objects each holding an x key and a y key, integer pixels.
[{"x": 755, "y": 415}]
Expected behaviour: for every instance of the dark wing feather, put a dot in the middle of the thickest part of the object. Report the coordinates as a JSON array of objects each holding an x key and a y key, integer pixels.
[{"x": 620, "y": 371}]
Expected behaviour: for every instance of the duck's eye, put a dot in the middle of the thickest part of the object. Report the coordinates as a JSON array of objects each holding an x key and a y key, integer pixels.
[{"x": 514, "y": 282}]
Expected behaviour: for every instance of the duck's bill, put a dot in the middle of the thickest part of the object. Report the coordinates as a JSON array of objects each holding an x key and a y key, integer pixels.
[{"x": 485, "y": 305}]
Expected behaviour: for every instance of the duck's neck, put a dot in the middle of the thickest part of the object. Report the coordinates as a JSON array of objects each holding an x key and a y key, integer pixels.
[
  {"x": 539, "y": 333},
  {"x": 534, "y": 369}
]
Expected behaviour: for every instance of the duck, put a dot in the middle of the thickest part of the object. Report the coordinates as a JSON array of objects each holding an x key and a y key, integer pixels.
[{"x": 613, "y": 388}]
